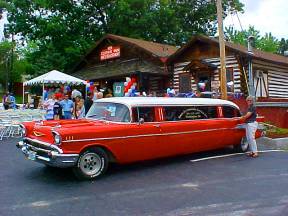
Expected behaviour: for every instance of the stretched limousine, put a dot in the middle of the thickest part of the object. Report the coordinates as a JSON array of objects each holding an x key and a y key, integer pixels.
[{"x": 125, "y": 130}]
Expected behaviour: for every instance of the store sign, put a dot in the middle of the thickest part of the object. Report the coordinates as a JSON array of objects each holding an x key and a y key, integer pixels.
[{"x": 110, "y": 52}]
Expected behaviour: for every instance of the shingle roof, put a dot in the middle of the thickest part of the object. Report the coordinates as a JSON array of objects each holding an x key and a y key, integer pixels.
[
  {"x": 258, "y": 54},
  {"x": 156, "y": 49},
  {"x": 160, "y": 50}
]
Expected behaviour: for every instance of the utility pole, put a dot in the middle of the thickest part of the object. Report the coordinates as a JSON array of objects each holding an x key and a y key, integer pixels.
[
  {"x": 223, "y": 87},
  {"x": 250, "y": 66}
]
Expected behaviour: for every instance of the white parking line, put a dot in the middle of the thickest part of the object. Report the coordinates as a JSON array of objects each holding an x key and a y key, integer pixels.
[{"x": 229, "y": 155}]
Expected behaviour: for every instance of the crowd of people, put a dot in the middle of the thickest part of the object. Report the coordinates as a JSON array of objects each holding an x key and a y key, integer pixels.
[
  {"x": 69, "y": 106},
  {"x": 63, "y": 103},
  {"x": 9, "y": 101}
]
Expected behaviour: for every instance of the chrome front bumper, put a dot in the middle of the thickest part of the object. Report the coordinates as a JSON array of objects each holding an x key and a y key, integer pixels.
[{"x": 46, "y": 156}]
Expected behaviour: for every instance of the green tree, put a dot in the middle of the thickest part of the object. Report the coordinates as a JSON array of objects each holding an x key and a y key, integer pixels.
[
  {"x": 5, "y": 54},
  {"x": 12, "y": 65},
  {"x": 266, "y": 43},
  {"x": 283, "y": 46},
  {"x": 64, "y": 30}
]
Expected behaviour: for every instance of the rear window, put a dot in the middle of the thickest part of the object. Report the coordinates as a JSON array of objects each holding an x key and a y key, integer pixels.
[
  {"x": 177, "y": 113},
  {"x": 230, "y": 112}
]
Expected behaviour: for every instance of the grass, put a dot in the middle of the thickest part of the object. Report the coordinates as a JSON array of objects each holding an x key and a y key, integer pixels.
[{"x": 275, "y": 132}]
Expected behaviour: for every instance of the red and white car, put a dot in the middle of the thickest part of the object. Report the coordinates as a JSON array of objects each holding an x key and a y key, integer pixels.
[{"x": 125, "y": 130}]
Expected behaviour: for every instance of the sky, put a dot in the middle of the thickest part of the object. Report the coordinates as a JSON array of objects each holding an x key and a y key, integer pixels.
[{"x": 265, "y": 15}]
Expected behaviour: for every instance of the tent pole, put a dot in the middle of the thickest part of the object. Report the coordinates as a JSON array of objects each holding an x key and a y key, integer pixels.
[
  {"x": 23, "y": 94},
  {"x": 43, "y": 92}
]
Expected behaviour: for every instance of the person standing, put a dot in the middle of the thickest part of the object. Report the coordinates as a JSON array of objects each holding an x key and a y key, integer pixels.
[
  {"x": 95, "y": 93},
  {"x": 75, "y": 93},
  {"x": 67, "y": 107},
  {"x": 12, "y": 100},
  {"x": 251, "y": 126},
  {"x": 99, "y": 95},
  {"x": 48, "y": 105},
  {"x": 5, "y": 101},
  {"x": 88, "y": 103},
  {"x": 75, "y": 105},
  {"x": 57, "y": 109},
  {"x": 80, "y": 109}
]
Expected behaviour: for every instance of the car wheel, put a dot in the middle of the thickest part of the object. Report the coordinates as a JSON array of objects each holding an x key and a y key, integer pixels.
[
  {"x": 91, "y": 164},
  {"x": 243, "y": 146}
]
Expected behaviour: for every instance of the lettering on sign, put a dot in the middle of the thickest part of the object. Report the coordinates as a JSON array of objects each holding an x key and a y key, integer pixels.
[{"x": 110, "y": 52}]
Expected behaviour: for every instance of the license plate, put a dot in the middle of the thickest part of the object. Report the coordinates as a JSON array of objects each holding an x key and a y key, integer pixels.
[{"x": 31, "y": 155}]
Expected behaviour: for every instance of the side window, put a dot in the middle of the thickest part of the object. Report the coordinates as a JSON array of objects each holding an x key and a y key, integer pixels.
[
  {"x": 230, "y": 112},
  {"x": 210, "y": 111},
  {"x": 189, "y": 113},
  {"x": 147, "y": 113}
]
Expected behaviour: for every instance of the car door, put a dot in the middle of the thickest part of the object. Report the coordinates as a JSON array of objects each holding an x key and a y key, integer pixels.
[
  {"x": 233, "y": 132},
  {"x": 142, "y": 137}
]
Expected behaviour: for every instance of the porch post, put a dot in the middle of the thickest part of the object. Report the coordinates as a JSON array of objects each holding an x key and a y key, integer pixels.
[
  {"x": 250, "y": 67},
  {"x": 223, "y": 81}
]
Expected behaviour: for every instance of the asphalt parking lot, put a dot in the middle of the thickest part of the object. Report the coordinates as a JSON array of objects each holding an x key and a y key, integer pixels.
[{"x": 209, "y": 183}]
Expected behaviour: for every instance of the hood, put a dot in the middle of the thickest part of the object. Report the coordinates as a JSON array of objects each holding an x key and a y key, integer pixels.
[{"x": 43, "y": 131}]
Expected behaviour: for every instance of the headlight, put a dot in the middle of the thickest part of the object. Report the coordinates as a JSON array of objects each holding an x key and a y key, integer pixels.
[
  {"x": 57, "y": 138},
  {"x": 23, "y": 130}
]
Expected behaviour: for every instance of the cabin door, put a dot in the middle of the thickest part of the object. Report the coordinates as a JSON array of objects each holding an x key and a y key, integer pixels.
[{"x": 203, "y": 81}]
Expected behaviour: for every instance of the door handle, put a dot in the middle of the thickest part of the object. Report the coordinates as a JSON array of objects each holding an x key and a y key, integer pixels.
[{"x": 157, "y": 126}]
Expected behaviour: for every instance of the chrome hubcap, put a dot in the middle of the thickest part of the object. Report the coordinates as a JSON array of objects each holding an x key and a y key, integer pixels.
[{"x": 90, "y": 163}]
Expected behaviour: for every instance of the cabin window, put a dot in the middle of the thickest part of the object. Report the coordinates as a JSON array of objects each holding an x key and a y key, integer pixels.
[
  {"x": 147, "y": 113},
  {"x": 175, "y": 113},
  {"x": 184, "y": 82},
  {"x": 230, "y": 112}
]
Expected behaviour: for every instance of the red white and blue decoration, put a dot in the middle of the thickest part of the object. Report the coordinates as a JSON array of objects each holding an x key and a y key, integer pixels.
[{"x": 130, "y": 87}]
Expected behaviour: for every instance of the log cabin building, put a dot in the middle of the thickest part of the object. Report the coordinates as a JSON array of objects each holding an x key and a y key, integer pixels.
[
  {"x": 196, "y": 66},
  {"x": 113, "y": 58}
]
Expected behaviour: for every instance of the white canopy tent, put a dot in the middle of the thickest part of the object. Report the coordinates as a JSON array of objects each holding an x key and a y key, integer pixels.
[{"x": 53, "y": 76}]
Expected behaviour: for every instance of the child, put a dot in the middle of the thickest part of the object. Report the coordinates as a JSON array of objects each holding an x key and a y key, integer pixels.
[{"x": 57, "y": 110}]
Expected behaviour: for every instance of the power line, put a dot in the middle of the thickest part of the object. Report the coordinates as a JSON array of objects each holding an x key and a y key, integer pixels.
[{"x": 239, "y": 21}]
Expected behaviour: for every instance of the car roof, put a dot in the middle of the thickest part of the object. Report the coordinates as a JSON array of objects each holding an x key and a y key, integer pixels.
[{"x": 167, "y": 101}]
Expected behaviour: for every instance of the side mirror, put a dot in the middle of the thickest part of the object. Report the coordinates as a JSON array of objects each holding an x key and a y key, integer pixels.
[{"x": 141, "y": 121}]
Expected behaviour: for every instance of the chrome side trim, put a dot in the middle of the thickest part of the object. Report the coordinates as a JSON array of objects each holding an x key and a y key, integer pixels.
[
  {"x": 45, "y": 144},
  {"x": 148, "y": 135}
]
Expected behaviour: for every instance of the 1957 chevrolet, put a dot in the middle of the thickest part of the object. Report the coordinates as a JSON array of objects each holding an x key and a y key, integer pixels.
[{"x": 124, "y": 130}]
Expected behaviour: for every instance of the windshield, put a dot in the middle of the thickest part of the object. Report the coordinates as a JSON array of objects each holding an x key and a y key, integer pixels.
[{"x": 109, "y": 112}]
